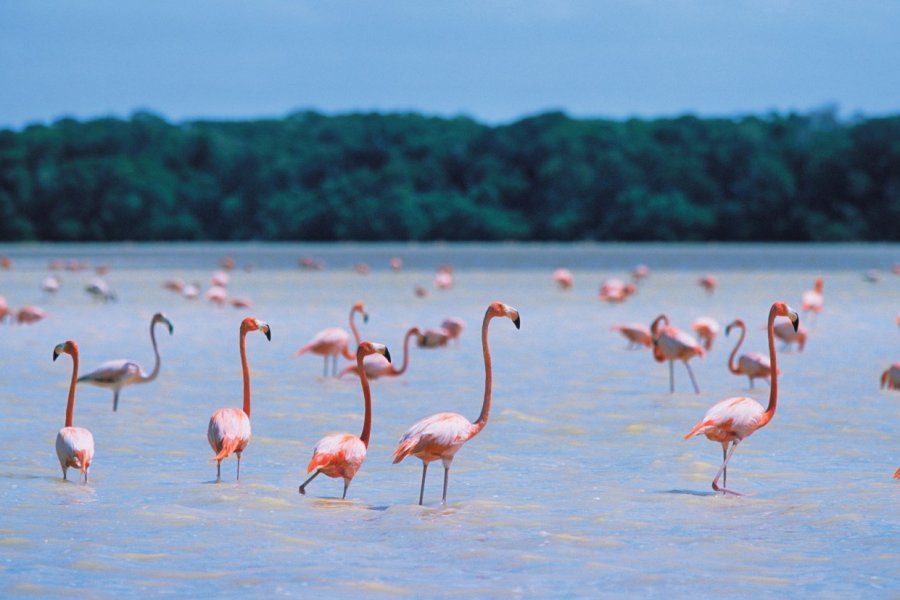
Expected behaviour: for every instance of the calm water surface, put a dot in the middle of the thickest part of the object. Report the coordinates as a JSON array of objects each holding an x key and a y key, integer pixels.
[{"x": 580, "y": 486}]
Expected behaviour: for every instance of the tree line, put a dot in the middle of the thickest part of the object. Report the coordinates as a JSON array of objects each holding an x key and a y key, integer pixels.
[{"x": 406, "y": 176}]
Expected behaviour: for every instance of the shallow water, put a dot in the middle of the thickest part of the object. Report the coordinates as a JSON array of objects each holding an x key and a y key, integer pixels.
[{"x": 580, "y": 486}]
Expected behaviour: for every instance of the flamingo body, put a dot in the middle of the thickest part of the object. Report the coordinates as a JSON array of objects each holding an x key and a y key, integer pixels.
[
  {"x": 813, "y": 300},
  {"x": 334, "y": 341},
  {"x": 637, "y": 335},
  {"x": 616, "y": 290},
  {"x": 891, "y": 377},
  {"x": 752, "y": 364},
  {"x": 563, "y": 278},
  {"x": 75, "y": 448},
  {"x": 786, "y": 333}
]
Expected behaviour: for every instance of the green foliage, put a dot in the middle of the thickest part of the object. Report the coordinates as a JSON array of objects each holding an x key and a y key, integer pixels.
[{"x": 376, "y": 176}]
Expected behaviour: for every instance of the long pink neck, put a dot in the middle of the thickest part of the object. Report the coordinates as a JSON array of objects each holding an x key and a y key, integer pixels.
[
  {"x": 70, "y": 407},
  {"x": 405, "y": 362},
  {"x": 367, "y": 397},
  {"x": 773, "y": 390},
  {"x": 156, "y": 365},
  {"x": 654, "y": 327},
  {"x": 353, "y": 326},
  {"x": 488, "y": 376},
  {"x": 731, "y": 366},
  {"x": 246, "y": 369}
]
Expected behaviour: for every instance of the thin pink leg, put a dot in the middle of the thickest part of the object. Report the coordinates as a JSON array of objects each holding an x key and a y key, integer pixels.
[{"x": 715, "y": 483}]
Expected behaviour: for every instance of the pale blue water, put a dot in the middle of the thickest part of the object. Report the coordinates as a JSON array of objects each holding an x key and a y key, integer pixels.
[{"x": 580, "y": 486}]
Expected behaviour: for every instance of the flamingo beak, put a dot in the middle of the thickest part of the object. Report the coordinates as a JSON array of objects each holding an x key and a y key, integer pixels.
[
  {"x": 517, "y": 322},
  {"x": 365, "y": 317},
  {"x": 386, "y": 353},
  {"x": 268, "y": 332},
  {"x": 795, "y": 319},
  {"x": 727, "y": 330}
]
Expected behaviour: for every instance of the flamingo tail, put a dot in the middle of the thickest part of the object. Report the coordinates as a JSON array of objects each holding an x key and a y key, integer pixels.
[
  {"x": 228, "y": 446},
  {"x": 699, "y": 427}
]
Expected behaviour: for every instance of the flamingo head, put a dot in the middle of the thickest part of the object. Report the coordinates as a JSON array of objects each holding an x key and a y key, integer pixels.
[
  {"x": 367, "y": 348},
  {"x": 360, "y": 308},
  {"x": 499, "y": 309},
  {"x": 780, "y": 309},
  {"x": 254, "y": 324},
  {"x": 820, "y": 283},
  {"x": 884, "y": 377},
  {"x": 654, "y": 326},
  {"x": 414, "y": 331},
  {"x": 735, "y": 323},
  {"x": 161, "y": 318},
  {"x": 68, "y": 347}
]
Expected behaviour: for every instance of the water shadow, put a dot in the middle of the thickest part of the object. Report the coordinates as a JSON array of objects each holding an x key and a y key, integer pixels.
[{"x": 689, "y": 492}]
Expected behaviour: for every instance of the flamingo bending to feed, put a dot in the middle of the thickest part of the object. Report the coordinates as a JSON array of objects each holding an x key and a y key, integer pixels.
[
  {"x": 229, "y": 428},
  {"x": 706, "y": 329},
  {"x": 789, "y": 334},
  {"x": 116, "y": 374},
  {"x": 342, "y": 454},
  {"x": 752, "y": 364},
  {"x": 891, "y": 377},
  {"x": 812, "y": 300},
  {"x": 377, "y": 365},
  {"x": 637, "y": 335},
  {"x": 440, "y": 436},
  {"x": 733, "y": 419},
  {"x": 74, "y": 445},
  {"x": 334, "y": 341},
  {"x": 670, "y": 343}
]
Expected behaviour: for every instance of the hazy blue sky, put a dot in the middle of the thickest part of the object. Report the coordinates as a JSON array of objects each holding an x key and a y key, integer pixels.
[{"x": 495, "y": 60}]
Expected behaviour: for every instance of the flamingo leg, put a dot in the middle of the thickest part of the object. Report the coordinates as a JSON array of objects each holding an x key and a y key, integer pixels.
[
  {"x": 446, "y": 479},
  {"x": 334, "y": 366},
  {"x": 346, "y": 485},
  {"x": 302, "y": 488},
  {"x": 238, "y": 454},
  {"x": 725, "y": 470},
  {"x": 422, "y": 488},
  {"x": 691, "y": 373},
  {"x": 751, "y": 382},
  {"x": 115, "y": 399},
  {"x": 64, "y": 470},
  {"x": 218, "y": 471},
  {"x": 671, "y": 377},
  {"x": 85, "y": 476},
  {"x": 715, "y": 483}
]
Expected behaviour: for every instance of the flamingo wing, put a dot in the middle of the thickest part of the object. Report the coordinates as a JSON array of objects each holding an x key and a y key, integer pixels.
[
  {"x": 113, "y": 372},
  {"x": 434, "y": 437},
  {"x": 730, "y": 418},
  {"x": 228, "y": 431},
  {"x": 338, "y": 455}
]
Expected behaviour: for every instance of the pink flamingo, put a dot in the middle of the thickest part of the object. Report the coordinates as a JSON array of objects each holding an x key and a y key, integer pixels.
[
  {"x": 616, "y": 290},
  {"x": 637, "y": 335},
  {"x": 116, "y": 374},
  {"x": 891, "y": 377},
  {"x": 443, "y": 279},
  {"x": 813, "y": 300},
  {"x": 440, "y": 436},
  {"x": 377, "y": 365},
  {"x": 30, "y": 314},
  {"x": 897, "y": 474},
  {"x": 671, "y": 343},
  {"x": 74, "y": 445},
  {"x": 563, "y": 278},
  {"x": 396, "y": 263},
  {"x": 640, "y": 272},
  {"x": 4, "y": 309},
  {"x": 789, "y": 334},
  {"x": 342, "y": 454},
  {"x": 433, "y": 338},
  {"x": 751, "y": 364},
  {"x": 706, "y": 329},
  {"x": 453, "y": 326},
  {"x": 708, "y": 283},
  {"x": 334, "y": 341},
  {"x": 229, "y": 428},
  {"x": 733, "y": 419}
]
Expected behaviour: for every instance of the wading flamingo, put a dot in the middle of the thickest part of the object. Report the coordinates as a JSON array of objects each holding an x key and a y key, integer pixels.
[
  {"x": 74, "y": 445},
  {"x": 116, "y": 374},
  {"x": 334, "y": 341},
  {"x": 433, "y": 338},
  {"x": 377, "y": 365},
  {"x": 891, "y": 377},
  {"x": 708, "y": 283},
  {"x": 563, "y": 278},
  {"x": 440, "y": 436},
  {"x": 752, "y": 364},
  {"x": 734, "y": 419},
  {"x": 229, "y": 428},
  {"x": 789, "y": 334},
  {"x": 30, "y": 314},
  {"x": 670, "y": 343},
  {"x": 637, "y": 335},
  {"x": 616, "y": 290},
  {"x": 813, "y": 300},
  {"x": 706, "y": 329},
  {"x": 341, "y": 454},
  {"x": 454, "y": 327}
]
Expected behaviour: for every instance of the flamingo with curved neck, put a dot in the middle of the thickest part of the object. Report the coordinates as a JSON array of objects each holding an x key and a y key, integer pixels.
[
  {"x": 376, "y": 365},
  {"x": 670, "y": 343},
  {"x": 734, "y": 419},
  {"x": 74, "y": 445},
  {"x": 229, "y": 428},
  {"x": 342, "y": 454},
  {"x": 334, "y": 341},
  {"x": 116, "y": 374},
  {"x": 752, "y": 364},
  {"x": 440, "y": 436}
]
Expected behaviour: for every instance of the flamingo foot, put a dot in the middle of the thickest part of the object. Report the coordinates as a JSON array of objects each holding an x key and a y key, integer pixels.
[{"x": 725, "y": 491}]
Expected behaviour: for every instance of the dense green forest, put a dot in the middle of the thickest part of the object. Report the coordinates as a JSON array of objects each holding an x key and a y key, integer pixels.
[{"x": 312, "y": 177}]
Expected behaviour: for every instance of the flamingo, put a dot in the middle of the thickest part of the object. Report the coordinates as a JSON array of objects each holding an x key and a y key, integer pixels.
[
  {"x": 433, "y": 338},
  {"x": 563, "y": 278},
  {"x": 733, "y": 419},
  {"x": 74, "y": 445},
  {"x": 637, "y": 335},
  {"x": 342, "y": 454},
  {"x": 229, "y": 428},
  {"x": 99, "y": 290},
  {"x": 396, "y": 263},
  {"x": 751, "y": 364},
  {"x": 640, "y": 272},
  {"x": 440, "y": 436},
  {"x": 671, "y": 343},
  {"x": 708, "y": 283},
  {"x": 453, "y": 326},
  {"x": 789, "y": 334},
  {"x": 219, "y": 279},
  {"x": 217, "y": 295},
  {"x": 891, "y": 377},
  {"x": 376, "y": 365},
  {"x": 706, "y": 329},
  {"x": 897, "y": 474},
  {"x": 4, "y": 309},
  {"x": 50, "y": 284},
  {"x": 334, "y": 341},
  {"x": 616, "y": 290},
  {"x": 30, "y": 314},
  {"x": 443, "y": 279},
  {"x": 812, "y": 300},
  {"x": 116, "y": 374}
]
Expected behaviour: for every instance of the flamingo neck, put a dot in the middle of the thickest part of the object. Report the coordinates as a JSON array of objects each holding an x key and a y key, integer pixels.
[
  {"x": 70, "y": 406},
  {"x": 367, "y": 397},
  {"x": 405, "y": 362},
  {"x": 654, "y": 334},
  {"x": 353, "y": 326},
  {"x": 156, "y": 365},
  {"x": 731, "y": 366},
  {"x": 245, "y": 367},
  {"x": 773, "y": 390},
  {"x": 488, "y": 376}
]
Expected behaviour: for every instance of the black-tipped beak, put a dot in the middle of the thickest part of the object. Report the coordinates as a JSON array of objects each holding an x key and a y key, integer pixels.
[
  {"x": 796, "y": 323},
  {"x": 55, "y": 355},
  {"x": 517, "y": 322},
  {"x": 268, "y": 333},
  {"x": 365, "y": 317},
  {"x": 171, "y": 328},
  {"x": 387, "y": 354},
  {"x": 727, "y": 330}
]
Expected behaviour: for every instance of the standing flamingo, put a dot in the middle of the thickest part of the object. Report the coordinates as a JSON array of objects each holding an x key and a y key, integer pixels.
[
  {"x": 229, "y": 428},
  {"x": 789, "y": 334},
  {"x": 637, "y": 335},
  {"x": 891, "y": 377},
  {"x": 670, "y": 343},
  {"x": 706, "y": 329},
  {"x": 563, "y": 278},
  {"x": 74, "y": 445},
  {"x": 440, "y": 436},
  {"x": 751, "y": 364},
  {"x": 377, "y": 365},
  {"x": 334, "y": 341},
  {"x": 116, "y": 374},
  {"x": 733, "y": 419},
  {"x": 342, "y": 454},
  {"x": 812, "y": 300}
]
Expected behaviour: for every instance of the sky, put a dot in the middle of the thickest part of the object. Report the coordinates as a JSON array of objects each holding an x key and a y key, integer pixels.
[{"x": 492, "y": 60}]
